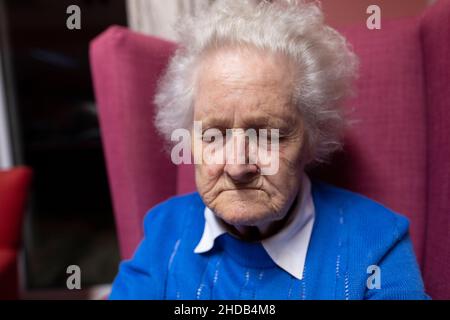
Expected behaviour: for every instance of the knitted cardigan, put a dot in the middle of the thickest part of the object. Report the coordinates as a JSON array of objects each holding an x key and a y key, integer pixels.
[{"x": 358, "y": 250}]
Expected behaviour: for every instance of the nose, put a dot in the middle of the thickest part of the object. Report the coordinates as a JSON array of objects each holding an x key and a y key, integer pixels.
[
  {"x": 241, "y": 173},
  {"x": 237, "y": 165}
]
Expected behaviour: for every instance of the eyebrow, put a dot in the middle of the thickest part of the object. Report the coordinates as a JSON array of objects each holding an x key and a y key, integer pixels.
[
  {"x": 265, "y": 122},
  {"x": 213, "y": 122},
  {"x": 250, "y": 122}
]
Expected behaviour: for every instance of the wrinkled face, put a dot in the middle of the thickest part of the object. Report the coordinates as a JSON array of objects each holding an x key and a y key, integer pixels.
[{"x": 247, "y": 89}]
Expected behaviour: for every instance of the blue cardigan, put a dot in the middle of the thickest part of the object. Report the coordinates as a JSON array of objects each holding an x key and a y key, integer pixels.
[{"x": 350, "y": 234}]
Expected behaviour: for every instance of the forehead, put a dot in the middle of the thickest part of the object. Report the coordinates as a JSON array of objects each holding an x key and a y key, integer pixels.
[{"x": 245, "y": 84}]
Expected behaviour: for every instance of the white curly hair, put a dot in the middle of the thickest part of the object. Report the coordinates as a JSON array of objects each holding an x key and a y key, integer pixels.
[{"x": 325, "y": 63}]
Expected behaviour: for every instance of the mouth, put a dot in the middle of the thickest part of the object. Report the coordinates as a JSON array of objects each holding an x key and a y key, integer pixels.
[{"x": 243, "y": 189}]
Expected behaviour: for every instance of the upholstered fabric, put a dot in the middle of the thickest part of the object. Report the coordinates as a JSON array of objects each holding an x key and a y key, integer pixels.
[
  {"x": 126, "y": 67},
  {"x": 435, "y": 30},
  {"x": 8, "y": 274},
  {"x": 14, "y": 186},
  {"x": 396, "y": 151}
]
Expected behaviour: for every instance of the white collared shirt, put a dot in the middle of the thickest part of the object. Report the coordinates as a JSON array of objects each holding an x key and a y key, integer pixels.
[{"x": 288, "y": 247}]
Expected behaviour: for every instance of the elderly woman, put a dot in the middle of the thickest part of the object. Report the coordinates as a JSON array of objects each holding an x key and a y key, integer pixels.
[{"x": 269, "y": 65}]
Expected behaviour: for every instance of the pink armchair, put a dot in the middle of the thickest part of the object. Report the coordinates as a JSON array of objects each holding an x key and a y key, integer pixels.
[
  {"x": 14, "y": 185},
  {"x": 397, "y": 151}
]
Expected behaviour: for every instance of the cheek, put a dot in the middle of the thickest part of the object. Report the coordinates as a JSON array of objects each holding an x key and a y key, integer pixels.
[
  {"x": 208, "y": 174},
  {"x": 292, "y": 153},
  {"x": 213, "y": 171},
  {"x": 290, "y": 166}
]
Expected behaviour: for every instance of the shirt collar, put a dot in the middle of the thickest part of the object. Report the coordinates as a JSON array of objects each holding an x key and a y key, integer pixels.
[{"x": 287, "y": 248}]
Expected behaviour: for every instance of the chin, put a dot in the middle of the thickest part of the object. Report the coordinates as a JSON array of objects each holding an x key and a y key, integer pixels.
[{"x": 245, "y": 213}]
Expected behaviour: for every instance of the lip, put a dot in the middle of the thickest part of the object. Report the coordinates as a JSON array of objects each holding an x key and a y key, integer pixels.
[{"x": 242, "y": 189}]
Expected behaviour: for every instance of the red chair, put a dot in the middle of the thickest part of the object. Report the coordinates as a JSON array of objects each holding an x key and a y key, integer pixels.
[
  {"x": 397, "y": 152},
  {"x": 14, "y": 186}
]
